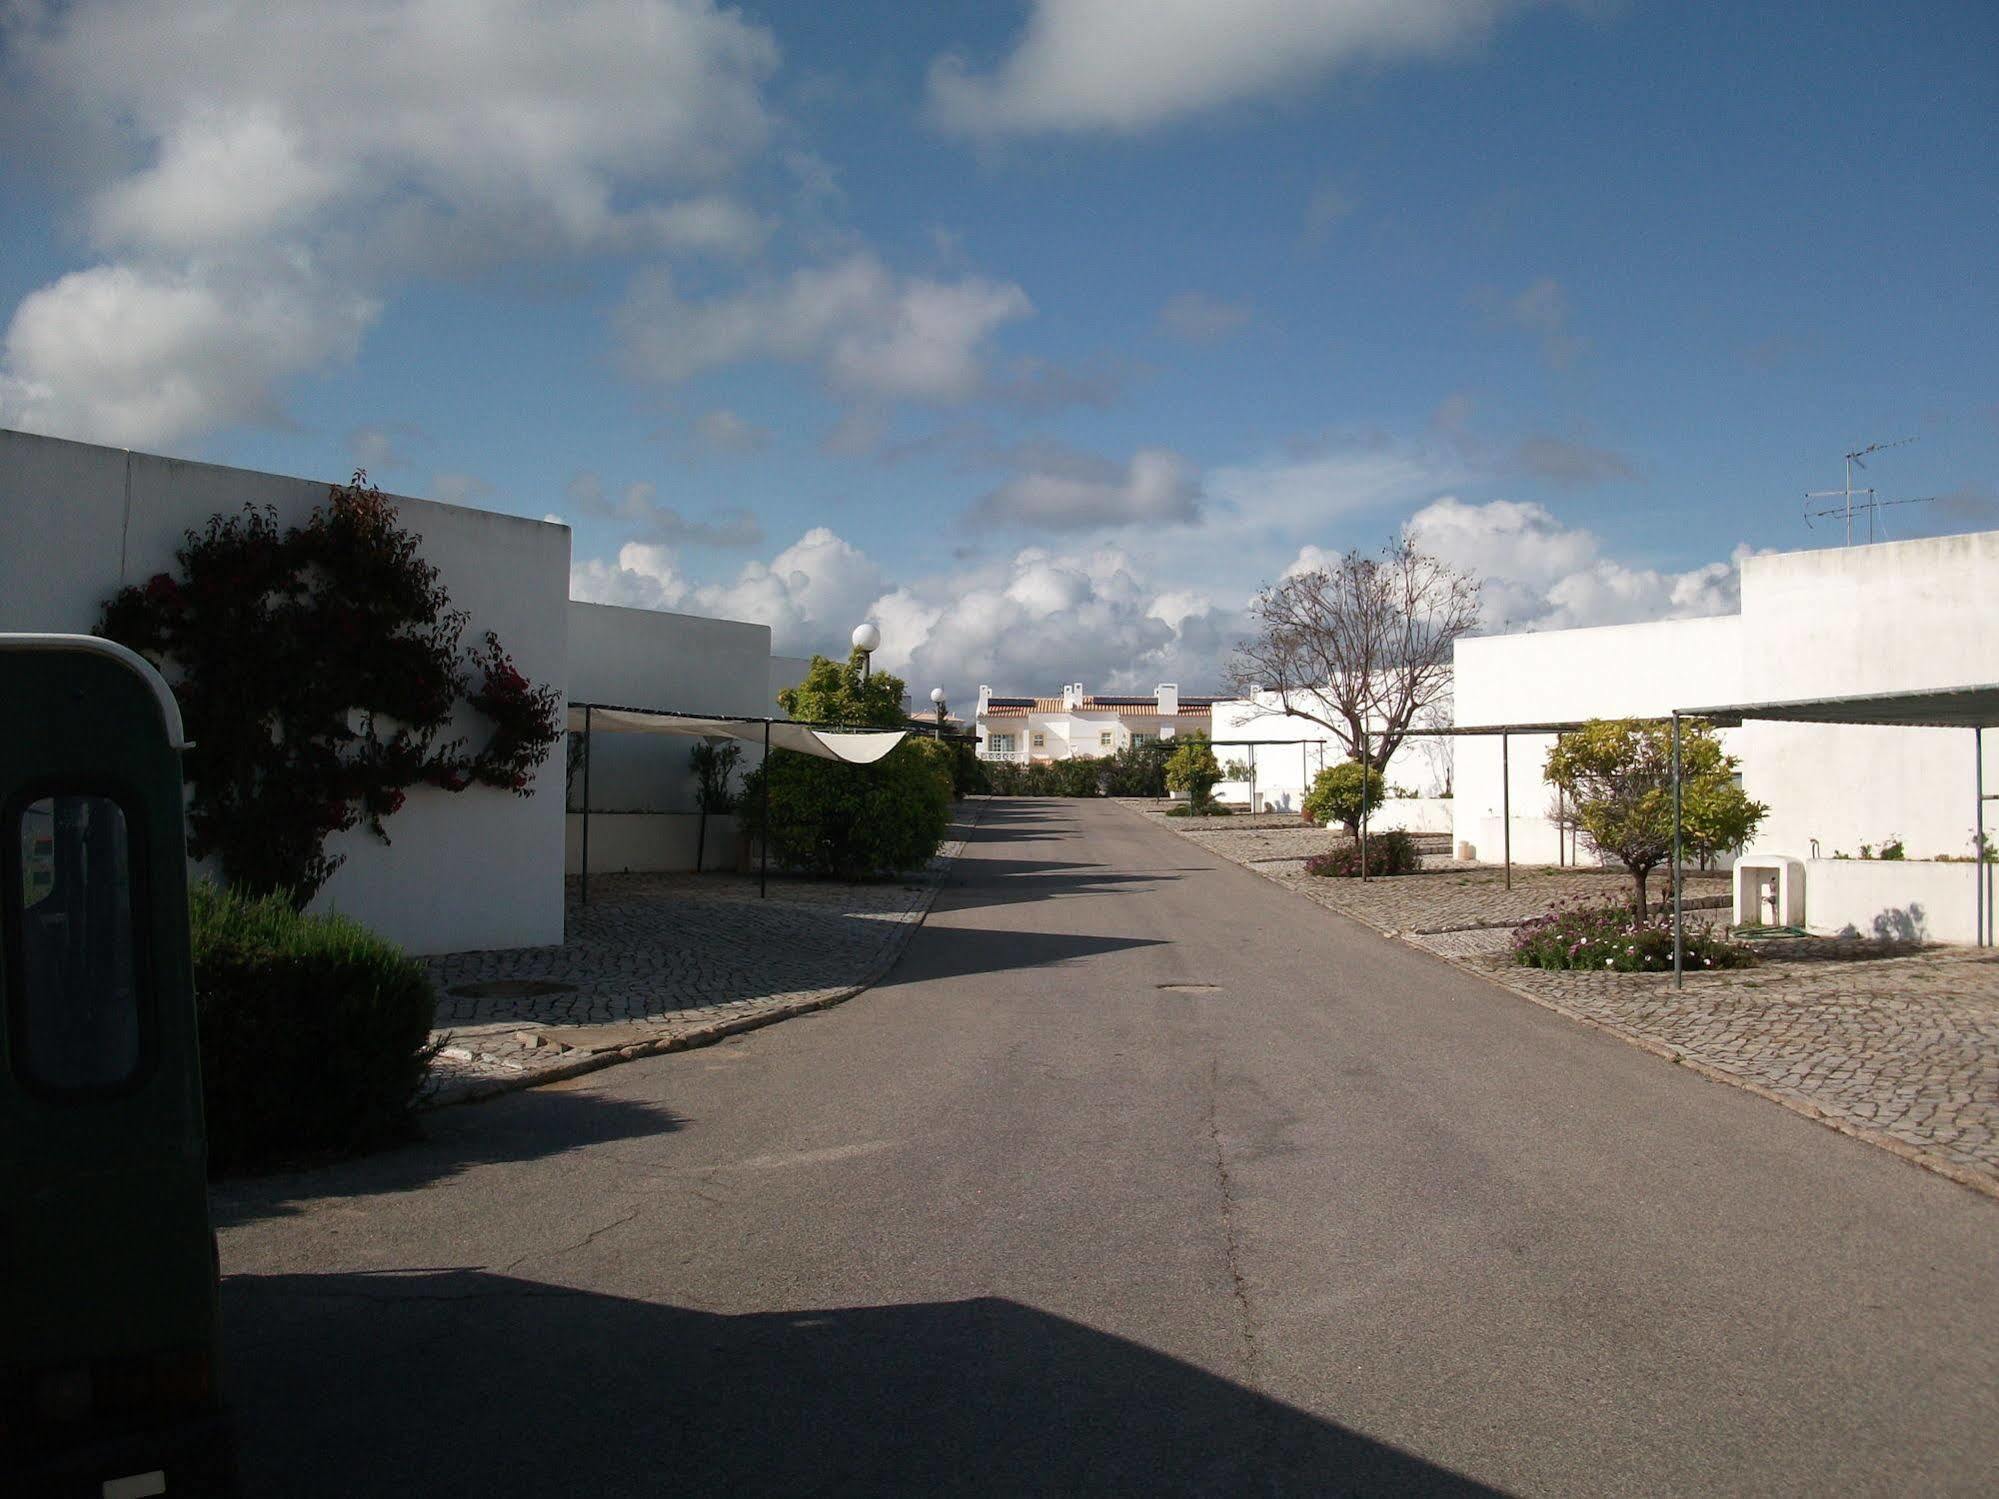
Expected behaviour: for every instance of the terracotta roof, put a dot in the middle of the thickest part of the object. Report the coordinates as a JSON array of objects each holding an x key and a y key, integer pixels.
[{"x": 1124, "y": 707}]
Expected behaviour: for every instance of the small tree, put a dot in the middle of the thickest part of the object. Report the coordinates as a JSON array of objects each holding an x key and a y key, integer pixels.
[
  {"x": 1336, "y": 794},
  {"x": 1618, "y": 777},
  {"x": 714, "y": 767},
  {"x": 1362, "y": 647},
  {"x": 830, "y": 818},
  {"x": 319, "y": 669},
  {"x": 1194, "y": 770}
]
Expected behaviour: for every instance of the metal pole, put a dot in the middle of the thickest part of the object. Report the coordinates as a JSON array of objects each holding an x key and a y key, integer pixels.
[
  {"x": 585, "y": 882},
  {"x": 763, "y": 853},
  {"x": 1506, "y": 807},
  {"x": 1679, "y": 977},
  {"x": 1364, "y": 778},
  {"x": 1981, "y": 888}
]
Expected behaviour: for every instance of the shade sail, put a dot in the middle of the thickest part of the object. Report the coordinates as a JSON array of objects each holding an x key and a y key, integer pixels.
[
  {"x": 826, "y": 744},
  {"x": 1969, "y": 707}
]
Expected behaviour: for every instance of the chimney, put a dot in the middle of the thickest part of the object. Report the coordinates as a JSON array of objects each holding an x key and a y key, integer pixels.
[
  {"x": 1072, "y": 696},
  {"x": 985, "y": 699},
  {"x": 1167, "y": 695}
]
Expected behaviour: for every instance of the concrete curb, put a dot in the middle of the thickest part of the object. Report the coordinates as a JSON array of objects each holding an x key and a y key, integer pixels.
[
  {"x": 661, "y": 1042},
  {"x": 1980, "y": 1182}
]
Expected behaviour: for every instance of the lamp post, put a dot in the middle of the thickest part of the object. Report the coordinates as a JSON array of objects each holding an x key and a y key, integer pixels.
[
  {"x": 937, "y": 700},
  {"x": 866, "y": 638}
]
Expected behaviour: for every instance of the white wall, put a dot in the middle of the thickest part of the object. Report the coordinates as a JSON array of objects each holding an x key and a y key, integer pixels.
[
  {"x": 1288, "y": 753},
  {"x": 649, "y": 658},
  {"x": 1565, "y": 676},
  {"x": 1891, "y": 617},
  {"x": 785, "y": 672},
  {"x": 1896, "y": 616},
  {"x": 476, "y": 869},
  {"x": 631, "y": 841},
  {"x": 1891, "y": 898}
]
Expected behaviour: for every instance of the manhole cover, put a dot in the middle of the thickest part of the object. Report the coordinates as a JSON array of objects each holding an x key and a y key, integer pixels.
[
  {"x": 1189, "y": 988},
  {"x": 510, "y": 989}
]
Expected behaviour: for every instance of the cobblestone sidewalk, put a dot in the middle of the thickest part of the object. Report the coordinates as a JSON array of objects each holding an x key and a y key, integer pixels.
[
  {"x": 661, "y": 962},
  {"x": 1895, "y": 1045}
]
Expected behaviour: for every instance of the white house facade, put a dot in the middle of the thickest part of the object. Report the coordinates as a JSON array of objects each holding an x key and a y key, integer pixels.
[
  {"x": 1077, "y": 725},
  {"x": 475, "y": 869},
  {"x": 1895, "y": 616}
]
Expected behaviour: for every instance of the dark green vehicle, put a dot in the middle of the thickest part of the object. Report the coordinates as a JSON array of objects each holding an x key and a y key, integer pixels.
[{"x": 108, "y": 1273}]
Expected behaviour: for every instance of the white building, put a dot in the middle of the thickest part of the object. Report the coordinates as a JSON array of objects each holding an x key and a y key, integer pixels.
[
  {"x": 1896, "y": 616},
  {"x": 1079, "y": 725},
  {"x": 475, "y": 869},
  {"x": 1283, "y": 754}
]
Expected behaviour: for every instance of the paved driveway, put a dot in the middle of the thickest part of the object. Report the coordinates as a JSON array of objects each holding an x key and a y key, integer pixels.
[{"x": 1130, "y": 1178}]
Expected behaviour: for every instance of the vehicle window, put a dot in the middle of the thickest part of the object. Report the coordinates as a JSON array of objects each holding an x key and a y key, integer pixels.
[{"x": 76, "y": 1012}]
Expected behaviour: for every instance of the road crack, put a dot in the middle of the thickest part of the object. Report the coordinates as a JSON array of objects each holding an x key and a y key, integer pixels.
[
  {"x": 568, "y": 1249},
  {"x": 1251, "y": 1356}
]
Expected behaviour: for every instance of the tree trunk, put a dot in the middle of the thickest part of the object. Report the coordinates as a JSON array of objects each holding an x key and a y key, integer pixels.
[{"x": 1638, "y": 879}]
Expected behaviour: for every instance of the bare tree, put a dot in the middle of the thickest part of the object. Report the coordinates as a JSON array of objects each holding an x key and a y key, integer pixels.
[{"x": 1361, "y": 647}]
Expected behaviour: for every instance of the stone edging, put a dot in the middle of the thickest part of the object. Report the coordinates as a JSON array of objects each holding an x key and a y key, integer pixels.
[
  {"x": 666, "y": 1039},
  {"x": 1942, "y": 1165}
]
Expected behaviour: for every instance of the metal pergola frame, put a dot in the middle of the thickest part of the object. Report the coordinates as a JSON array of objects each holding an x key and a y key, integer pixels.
[
  {"x": 1971, "y": 707},
  {"x": 763, "y": 848}
]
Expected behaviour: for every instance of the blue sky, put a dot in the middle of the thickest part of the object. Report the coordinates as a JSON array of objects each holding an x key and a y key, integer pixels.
[{"x": 1042, "y": 336}]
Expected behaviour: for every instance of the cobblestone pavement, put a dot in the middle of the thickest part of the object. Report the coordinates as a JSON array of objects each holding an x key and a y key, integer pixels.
[
  {"x": 659, "y": 962},
  {"x": 1896, "y": 1045}
]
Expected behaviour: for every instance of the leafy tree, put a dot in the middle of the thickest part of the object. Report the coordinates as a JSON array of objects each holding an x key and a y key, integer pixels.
[
  {"x": 1336, "y": 794},
  {"x": 318, "y": 668},
  {"x": 851, "y": 821},
  {"x": 1618, "y": 775},
  {"x": 1363, "y": 647},
  {"x": 714, "y": 767},
  {"x": 1194, "y": 770},
  {"x": 1137, "y": 769}
]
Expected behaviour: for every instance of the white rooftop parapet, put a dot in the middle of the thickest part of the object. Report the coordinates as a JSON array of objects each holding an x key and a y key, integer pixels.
[{"x": 1167, "y": 695}]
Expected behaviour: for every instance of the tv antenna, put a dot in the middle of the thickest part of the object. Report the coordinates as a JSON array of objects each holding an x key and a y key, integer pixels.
[{"x": 1846, "y": 494}]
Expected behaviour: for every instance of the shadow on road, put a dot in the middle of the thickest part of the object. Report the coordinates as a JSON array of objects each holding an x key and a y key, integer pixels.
[
  {"x": 523, "y": 1126},
  {"x": 466, "y": 1383},
  {"x": 959, "y": 951}
]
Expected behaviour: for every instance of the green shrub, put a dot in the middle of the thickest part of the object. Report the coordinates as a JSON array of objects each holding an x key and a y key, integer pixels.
[
  {"x": 1137, "y": 770},
  {"x": 1388, "y": 853},
  {"x": 1594, "y": 937},
  {"x": 315, "y": 1033},
  {"x": 1207, "y": 809},
  {"x": 850, "y": 821},
  {"x": 1192, "y": 768},
  {"x": 1335, "y": 796}
]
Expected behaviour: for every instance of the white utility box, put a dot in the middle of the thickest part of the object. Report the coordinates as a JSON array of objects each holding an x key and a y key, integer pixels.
[{"x": 1769, "y": 891}]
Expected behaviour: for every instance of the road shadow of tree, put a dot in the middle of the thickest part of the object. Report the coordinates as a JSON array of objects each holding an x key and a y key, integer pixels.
[
  {"x": 466, "y": 1383},
  {"x": 524, "y": 1126}
]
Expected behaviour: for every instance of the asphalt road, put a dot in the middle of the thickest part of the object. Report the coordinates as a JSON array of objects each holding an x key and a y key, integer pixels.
[{"x": 1137, "y": 1176}]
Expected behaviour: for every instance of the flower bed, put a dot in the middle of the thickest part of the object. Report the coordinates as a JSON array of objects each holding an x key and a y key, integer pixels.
[{"x": 1594, "y": 936}]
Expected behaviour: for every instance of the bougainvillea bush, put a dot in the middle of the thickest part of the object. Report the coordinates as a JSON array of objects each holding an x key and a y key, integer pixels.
[
  {"x": 1590, "y": 935},
  {"x": 318, "y": 669},
  {"x": 1388, "y": 853}
]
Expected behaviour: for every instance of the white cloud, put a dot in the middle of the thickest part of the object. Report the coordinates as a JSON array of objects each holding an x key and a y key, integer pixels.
[
  {"x": 1037, "y": 618},
  {"x": 1540, "y": 574},
  {"x": 1289, "y": 496},
  {"x": 1543, "y": 310},
  {"x": 1066, "y": 491},
  {"x": 1112, "y": 65},
  {"x": 1199, "y": 318},
  {"x": 256, "y": 178},
  {"x": 870, "y": 333},
  {"x": 137, "y": 354},
  {"x": 723, "y": 431},
  {"x": 642, "y": 517}
]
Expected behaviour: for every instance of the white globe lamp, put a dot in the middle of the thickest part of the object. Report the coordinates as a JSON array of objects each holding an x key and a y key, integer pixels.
[{"x": 867, "y": 637}]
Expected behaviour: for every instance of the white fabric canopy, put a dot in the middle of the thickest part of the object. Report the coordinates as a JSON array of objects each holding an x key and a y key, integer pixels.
[{"x": 854, "y": 749}]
